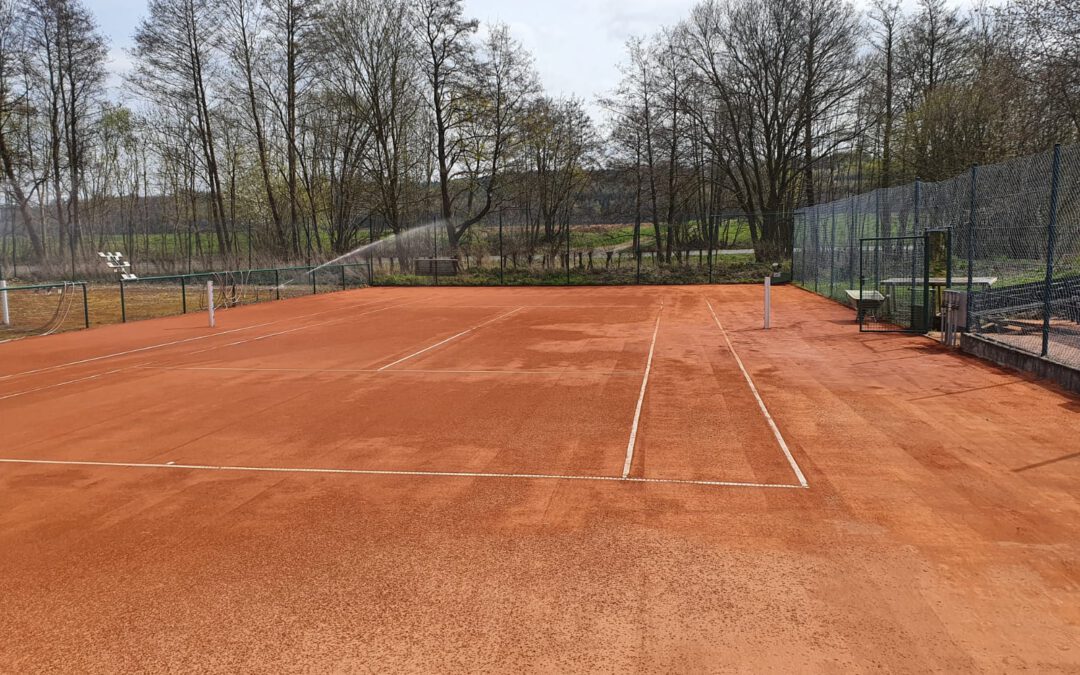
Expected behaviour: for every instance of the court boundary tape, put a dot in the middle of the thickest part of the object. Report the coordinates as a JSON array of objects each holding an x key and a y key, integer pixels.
[
  {"x": 761, "y": 403},
  {"x": 392, "y": 472}
]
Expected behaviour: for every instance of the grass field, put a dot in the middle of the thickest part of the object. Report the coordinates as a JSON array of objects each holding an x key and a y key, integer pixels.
[{"x": 538, "y": 479}]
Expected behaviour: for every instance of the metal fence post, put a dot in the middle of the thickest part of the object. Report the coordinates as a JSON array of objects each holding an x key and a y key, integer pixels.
[
  {"x": 435, "y": 261},
  {"x": 817, "y": 248},
  {"x": 1051, "y": 240},
  {"x": 277, "y": 284},
  {"x": 342, "y": 277},
  {"x": 568, "y": 252},
  {"x": 123, "y": 304},
  {"x": 637, "y": 256},
  {"x": 502, "y": 257},
  {"x": 877, "y": 213},
  {"x": 85, "y": 306},
  {"x": 832, "y": 252},
  {"x": 851, "y": 245},
  {"x": 371, "y": 247},
  {"x": 712, "y": 245},
  {"x": 314, "y": 281},
  {"x": 183, "y": 295},
  {"x": 948, "y": 257},
  {"x": 972, "y": 220},
  {"x": 918, "y": 194},
  {"x": 926, "y": 284}
]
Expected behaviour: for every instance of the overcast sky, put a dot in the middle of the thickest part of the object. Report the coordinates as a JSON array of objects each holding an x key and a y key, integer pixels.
[{"x": 577, "y": 44}]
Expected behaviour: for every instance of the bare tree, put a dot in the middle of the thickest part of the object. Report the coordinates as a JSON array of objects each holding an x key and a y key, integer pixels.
[
  {"x": 13, "y": 106},
  {"x": 500, "y": 86},
  {"x": 175, "y": 67},
  {"x": 292, "y": 24},
  {"x": 448, "y": 55},
  {"x": 885, "y": 17},
  {"x": 375, "y": 72},
  {"x": 245, "y": 49},
  {"x": 752, "y": 59}
]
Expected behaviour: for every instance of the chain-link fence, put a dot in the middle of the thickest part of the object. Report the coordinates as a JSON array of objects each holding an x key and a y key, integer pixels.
[
  {"x": 517, "y": 246},
  {"x": 1008, "y": 234},
  {"x": 42, "y": 309}
]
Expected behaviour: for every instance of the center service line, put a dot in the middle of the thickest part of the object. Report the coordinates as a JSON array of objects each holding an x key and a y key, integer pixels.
[
  {"x": 761, "y": 404},
  {"x": 452, "y": 337},
  {"x": 641, "y": 399}
]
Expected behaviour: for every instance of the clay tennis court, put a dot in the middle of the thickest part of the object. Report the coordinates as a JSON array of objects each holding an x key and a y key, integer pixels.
[{"x": 613, "y": 479}]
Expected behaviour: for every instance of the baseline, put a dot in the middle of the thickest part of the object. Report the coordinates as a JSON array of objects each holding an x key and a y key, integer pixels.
[{"x": 385, "y": 472}]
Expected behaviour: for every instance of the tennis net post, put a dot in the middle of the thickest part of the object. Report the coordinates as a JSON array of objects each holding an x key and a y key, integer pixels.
[
  {"x": 210, "y": 300},
  {"x": 768, "y": 301}
]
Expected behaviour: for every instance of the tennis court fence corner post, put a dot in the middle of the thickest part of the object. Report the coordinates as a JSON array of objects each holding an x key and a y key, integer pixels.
[
  {"x": 1051, "y": 242},
  {"x": 85, "y": 306},
  {"x": 5, "y": 315},
  {"x": 123, "y": 303},
  {"x": 210, "y": 300},
  {"x": 768, "y": 301}
]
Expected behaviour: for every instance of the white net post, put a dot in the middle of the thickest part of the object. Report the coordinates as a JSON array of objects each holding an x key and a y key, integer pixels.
[
  {"x": 768, "y": 301},
  {"x": 210, "y": 300},
  {"x": 6, "y": 315}
]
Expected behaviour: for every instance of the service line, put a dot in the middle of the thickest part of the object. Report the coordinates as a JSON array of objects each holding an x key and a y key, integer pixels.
[
  {"x": 61, "y": 384},
  {"x": 761, "y": 404},
  {"x": 452, "y": 337},
  {"x": 391, "y": 472},
  {"x": 172, "y": 343},
  {"x": 641, "y": 399},
  {"x": 300, "y": 328}
]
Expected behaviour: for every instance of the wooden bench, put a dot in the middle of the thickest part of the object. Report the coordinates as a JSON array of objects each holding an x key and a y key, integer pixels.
[
  {"x": 430, "y": 267},
  {"x": 1008, "y": 306}
]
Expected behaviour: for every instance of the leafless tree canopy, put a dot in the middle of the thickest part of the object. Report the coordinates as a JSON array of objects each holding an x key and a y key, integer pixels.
[{"x": 292, "y": 130}]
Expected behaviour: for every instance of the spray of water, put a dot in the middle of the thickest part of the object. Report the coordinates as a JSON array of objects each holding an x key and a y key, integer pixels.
[{"x": 421, "y": 237}]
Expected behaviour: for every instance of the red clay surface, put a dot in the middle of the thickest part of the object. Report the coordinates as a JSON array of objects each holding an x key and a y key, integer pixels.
[{"x": 939, "y": 529}]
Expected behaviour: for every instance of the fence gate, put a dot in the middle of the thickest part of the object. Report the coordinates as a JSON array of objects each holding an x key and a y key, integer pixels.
[{"x": 894, "y": 285}]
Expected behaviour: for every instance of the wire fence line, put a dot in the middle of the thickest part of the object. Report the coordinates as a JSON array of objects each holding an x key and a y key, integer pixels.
[
  {"x": 42, "y": 309},
  {"x": 1008, "y": 234}
]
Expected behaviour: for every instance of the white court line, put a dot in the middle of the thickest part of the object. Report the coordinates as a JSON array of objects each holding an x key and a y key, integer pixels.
[
  {"x": 641, "y": 400},
  {"x": 452, "y": 337},
  {"x": 380, "y": 472},
  {"x": 299, "y": 328},
  {"x": 169, "y": 344},
  {"x": 60, "y": 384},
  {"x": 130, "y": 351},
  {"x": 399, "y": 371},
  {"x": 761, "y": 404}
]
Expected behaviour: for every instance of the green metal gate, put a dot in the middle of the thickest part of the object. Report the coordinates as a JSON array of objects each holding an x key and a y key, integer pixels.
[{"x": 894, "y": 285}]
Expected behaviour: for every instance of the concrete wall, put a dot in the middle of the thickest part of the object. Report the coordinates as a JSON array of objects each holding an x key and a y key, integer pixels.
[{"x": 1003, "y": 355}]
